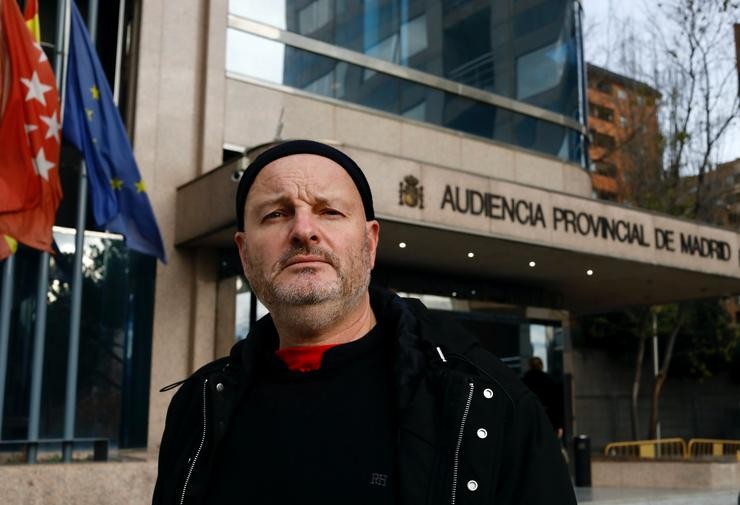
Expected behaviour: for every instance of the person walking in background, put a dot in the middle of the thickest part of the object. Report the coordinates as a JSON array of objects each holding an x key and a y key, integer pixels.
[{"x": 548, "y": 391}]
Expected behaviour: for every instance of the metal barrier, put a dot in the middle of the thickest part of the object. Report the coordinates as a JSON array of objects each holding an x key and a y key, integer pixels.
[
  {"x": 709, "y": 448},
  {"x": 666, "y": 448}
]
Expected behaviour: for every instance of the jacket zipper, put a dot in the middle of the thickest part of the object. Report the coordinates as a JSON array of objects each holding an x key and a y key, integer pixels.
[
  {"x": 456, "y": 460},
  {"x": 200, "y": 447}
]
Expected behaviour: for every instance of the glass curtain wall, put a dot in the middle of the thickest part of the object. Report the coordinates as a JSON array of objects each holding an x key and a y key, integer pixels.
[
  {"x": 115, "y": 341},
  {"x": 523, "y": 51}
]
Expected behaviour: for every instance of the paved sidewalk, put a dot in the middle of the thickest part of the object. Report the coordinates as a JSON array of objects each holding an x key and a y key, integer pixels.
[{"x": 624, "y": 496}]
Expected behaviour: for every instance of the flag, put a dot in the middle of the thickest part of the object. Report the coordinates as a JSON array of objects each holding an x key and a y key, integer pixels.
[
  {"x": 118, "y": 195},
  {"x": 31, "y": 14},
  {"x": 30, "y": 190},
  {"x": 8, "y": 246}
]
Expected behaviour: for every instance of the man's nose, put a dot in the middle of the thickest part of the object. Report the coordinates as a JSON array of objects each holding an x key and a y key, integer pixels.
[{"x": 304, "y": 230}]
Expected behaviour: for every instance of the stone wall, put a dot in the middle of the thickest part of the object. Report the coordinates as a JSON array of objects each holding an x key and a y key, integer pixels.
[
  {"x": 113, "y": 483},
  {"x": 689, "y": 408},
  {"x": 666, "y": 474}
]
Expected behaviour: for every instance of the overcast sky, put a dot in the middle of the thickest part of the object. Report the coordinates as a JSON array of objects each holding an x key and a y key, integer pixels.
[{"x": 599, "y": 34}]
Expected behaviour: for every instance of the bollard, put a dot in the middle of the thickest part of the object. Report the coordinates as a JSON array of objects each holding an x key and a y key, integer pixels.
[{"x": 582, "y": 460}]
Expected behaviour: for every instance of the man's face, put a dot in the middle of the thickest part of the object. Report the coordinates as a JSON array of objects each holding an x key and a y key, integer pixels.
[{"x": 306, "y": 240}]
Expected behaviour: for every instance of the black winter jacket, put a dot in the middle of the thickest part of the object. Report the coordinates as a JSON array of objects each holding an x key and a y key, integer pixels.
[{"x": 469, "y": 431}]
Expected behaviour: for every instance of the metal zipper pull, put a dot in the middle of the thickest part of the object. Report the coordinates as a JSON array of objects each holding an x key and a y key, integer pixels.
[{"x": 442, "y": 356}]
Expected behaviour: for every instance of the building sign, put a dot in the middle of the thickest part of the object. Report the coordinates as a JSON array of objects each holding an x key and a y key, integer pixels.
[
  {"x": 470, "y": 202},
  {"x": 562, "y": 219}
]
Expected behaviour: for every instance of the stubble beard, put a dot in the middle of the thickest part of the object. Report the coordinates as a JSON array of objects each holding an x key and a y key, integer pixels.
[{"x": 306, "y": 302}]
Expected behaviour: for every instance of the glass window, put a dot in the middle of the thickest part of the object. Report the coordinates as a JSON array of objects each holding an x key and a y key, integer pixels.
[
  {"x": 115, "y": 341},
  {"x": 248, "y": 308},
  {"x": 621, "y": 94},
  {"x": 601, "y": 112},
  {"x": 413, "y": 37},
  {"x": 516, "y": 49},
  {"x": 418, "y": 112},
  {"x": 338, "y": 79},
  {"x": 243, "y": 319},
  {"x": 254, "y": 56},
  {"x": 271, "y": 12},
  {"x": 603, "y": 140},
  {"x": 604, "y": 87},
  {"x": 314, "y": 16},
  {"x": 540, "y": 70},
  {"x": 605, "y": 168}
]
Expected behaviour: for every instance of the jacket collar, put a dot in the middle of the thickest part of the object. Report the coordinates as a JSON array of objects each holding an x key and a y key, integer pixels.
[{"x": 419, "y": 332}]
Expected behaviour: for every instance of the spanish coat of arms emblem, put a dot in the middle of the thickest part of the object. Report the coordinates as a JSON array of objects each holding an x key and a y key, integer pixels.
[{"x": 410, "y": 193}]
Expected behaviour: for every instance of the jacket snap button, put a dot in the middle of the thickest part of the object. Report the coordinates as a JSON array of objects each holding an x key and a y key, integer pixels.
[
  {"x": 482, "y": 433},
  {"x": 472, "y": 485},
  {"x": 488, "y": 393},
  {"x": 219, "y": 387}
]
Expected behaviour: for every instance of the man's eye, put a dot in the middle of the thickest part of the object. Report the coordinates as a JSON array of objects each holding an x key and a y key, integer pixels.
[
  {"x": 332, "y": 212},
  {"x": 274, "y": 214}
]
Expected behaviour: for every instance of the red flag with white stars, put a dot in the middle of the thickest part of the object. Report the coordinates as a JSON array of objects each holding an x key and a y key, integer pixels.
[{"x": 30, "y": 135}]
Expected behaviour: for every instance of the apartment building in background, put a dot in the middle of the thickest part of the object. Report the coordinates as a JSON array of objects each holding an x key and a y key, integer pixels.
[{"x": 625, "y": 138}]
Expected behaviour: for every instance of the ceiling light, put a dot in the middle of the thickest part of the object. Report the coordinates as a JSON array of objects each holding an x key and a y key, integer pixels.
[
  {"x": 589, "y": 272},
  {"x": 454, "y": 293},
  {"x": 402, "y": 245},
  {"x": 471, "y": 254},
  {"x": 532, "y": 264}
]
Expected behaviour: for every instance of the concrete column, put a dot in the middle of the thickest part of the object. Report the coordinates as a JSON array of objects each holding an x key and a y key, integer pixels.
[
  {"x": 176, "y": 138},
  {"x": 203, "y": 308}
]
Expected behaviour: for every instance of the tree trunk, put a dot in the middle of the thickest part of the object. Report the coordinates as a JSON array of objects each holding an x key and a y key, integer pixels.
[
  {"x": 655, "y": 406},
  {"x": 663, "y": 372}
]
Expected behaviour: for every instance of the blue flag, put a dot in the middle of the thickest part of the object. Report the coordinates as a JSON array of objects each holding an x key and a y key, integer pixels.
[{"x": 93, "y": 125}]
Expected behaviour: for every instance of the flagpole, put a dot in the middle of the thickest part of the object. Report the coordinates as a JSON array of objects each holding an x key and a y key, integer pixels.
[
  {"x": 70, "y": 403},
  {"x": 119, "y": 51},
  {"x": 5, "y": 306},
  {"x": 42, "y": 287},
  {"x": 37, "y": 367}
]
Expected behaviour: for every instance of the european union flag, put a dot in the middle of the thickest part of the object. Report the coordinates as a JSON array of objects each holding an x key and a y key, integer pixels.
[{"x": 92, "y": 124}]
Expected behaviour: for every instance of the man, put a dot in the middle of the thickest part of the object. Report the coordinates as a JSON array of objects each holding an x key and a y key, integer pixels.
[
  {"x": 547, "y": 391},
  {"x": 344, "y": 393}
]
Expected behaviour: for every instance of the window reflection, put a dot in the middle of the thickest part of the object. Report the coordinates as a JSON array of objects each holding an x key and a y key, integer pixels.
[
  {"x": 271, "y": 12},
  {"x": 254, "y": 56},
  {"x": 248, "y": 308},
  {"x": 314, "y": 16},
  {"x": 115, "y": 341},
  {"x": 517, "y": 49},
  {"x": 338, "y": 79},
  {"x": 514, "y": 339},
  {"x": 540, "y": 70},
  {"x": 527, "y": 52}
]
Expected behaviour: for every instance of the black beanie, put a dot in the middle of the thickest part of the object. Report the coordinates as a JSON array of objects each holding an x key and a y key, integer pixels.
[{"x": 302, "y": 147}]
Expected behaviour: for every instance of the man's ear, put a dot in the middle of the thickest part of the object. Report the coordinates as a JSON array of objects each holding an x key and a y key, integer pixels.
[
  {"x": 372, "y": 229},
  {"x": 241, "y": 244}
]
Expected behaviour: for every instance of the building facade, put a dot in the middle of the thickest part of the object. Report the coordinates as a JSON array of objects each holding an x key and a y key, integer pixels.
[
  {"x": 625, "y": 139},
  {"x": 469, "y": 119}
]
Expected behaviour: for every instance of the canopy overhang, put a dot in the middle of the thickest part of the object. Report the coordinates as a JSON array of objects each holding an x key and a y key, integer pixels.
[{"x": 597, "y": 256}]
